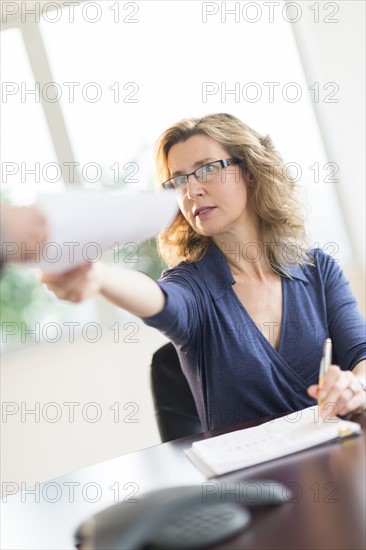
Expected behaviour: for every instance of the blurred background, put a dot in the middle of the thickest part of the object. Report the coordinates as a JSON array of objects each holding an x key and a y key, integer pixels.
[{"x": 87, "y": 88}]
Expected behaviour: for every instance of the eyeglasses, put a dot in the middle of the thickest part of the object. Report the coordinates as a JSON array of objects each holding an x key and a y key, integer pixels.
[{"x": 203, "y": 174}]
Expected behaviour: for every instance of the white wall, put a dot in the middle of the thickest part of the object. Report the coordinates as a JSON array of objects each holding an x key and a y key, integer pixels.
[
  {"x": 335, "y": 52},
  {"x": 104, "y": 372}
]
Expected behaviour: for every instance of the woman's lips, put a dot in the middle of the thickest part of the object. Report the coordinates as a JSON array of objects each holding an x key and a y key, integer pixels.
[{"x": 205, "y": 212}]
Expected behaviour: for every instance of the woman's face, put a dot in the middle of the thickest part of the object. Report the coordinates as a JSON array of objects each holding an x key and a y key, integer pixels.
[{"x": 225, "y": 196}]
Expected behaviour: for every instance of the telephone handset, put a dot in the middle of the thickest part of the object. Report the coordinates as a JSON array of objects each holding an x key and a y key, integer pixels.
[{"x": 182, "y": 518}]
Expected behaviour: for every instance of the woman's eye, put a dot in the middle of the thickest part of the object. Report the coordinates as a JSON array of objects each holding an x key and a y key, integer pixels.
[
  {"x": 209, "y": 168},
  {"x": 180, "y": 181}
]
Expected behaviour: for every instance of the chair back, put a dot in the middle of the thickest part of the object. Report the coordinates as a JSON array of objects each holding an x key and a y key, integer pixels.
[{"x": 175, "y": 409}]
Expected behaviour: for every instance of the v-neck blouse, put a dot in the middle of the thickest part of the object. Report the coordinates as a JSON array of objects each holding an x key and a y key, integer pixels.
[{"x": 234, "y": 372}]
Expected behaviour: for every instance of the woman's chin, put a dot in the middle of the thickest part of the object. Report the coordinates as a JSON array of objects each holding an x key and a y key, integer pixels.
[{"x": 204, "y": 232}]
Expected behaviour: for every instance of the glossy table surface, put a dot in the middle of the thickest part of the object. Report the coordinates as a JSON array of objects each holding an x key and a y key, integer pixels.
[{"x": 326, "y": 510}]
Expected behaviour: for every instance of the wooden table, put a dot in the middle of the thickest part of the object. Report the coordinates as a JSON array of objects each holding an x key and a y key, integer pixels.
[{"x": 327, "y": 510}]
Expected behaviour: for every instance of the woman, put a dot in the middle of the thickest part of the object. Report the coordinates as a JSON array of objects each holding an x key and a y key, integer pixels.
[{"x": 245, "y": 302}]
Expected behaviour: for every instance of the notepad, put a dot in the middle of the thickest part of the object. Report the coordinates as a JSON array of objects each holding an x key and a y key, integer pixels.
[{"x": 277, "y": 438}]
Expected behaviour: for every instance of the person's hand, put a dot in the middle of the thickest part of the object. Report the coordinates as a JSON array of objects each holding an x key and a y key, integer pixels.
[
  {"x": 24, "y": 233},
  {"x": 75, "y": 285},
  {"x": 340, "y": 393}
]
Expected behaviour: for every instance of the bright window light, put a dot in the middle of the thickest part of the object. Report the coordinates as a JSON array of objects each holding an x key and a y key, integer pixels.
[
  {"x": 144, "y": 66},
  {"x": 26, "y": 145}
]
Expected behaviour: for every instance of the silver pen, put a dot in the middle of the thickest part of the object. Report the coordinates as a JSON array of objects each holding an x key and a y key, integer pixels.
[{"x": 325, "y": 364}]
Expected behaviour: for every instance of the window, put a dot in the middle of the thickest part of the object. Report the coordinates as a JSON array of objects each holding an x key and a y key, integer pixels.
[{"x": 122, "y": 72}]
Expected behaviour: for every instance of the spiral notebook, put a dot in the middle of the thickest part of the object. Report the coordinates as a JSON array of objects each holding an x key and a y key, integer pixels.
[{"x": 274, "y": 439}]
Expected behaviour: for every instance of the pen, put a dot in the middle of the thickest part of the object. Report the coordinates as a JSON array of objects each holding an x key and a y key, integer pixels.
[{"x": 325, "y": 363}]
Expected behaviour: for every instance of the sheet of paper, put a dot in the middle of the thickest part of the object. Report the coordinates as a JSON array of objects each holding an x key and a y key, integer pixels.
[
  {"x": 84, "y": 223},
  {"x": 274, "y": 439}
]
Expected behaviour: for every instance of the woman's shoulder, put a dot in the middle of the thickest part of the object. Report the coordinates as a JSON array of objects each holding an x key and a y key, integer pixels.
[
  {"x": 197, "y": 268},
  {"x": 183, "y": 273},
  {"x": 321, "y": 256},
  {"x": 323, "y": 262},
  {"x": 179, "y": 269},
  {"x": 207, "y": 275}
]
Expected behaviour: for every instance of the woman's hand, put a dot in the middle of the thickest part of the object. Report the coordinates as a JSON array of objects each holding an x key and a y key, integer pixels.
[
  {"x": 75, "y": 285},
  {"x": 126, "y": 288},
  {"x": 342, "y": 389}
]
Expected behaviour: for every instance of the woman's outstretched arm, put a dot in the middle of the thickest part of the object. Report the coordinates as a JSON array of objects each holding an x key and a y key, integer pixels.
[{"x": 133, "y": 291}]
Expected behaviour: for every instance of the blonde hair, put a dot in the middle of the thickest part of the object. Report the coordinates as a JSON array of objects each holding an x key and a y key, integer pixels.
[{"x": 272, "y": 191}]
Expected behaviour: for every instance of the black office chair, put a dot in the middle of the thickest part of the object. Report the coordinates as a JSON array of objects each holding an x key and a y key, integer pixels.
[{"x": 175, "y": 410}]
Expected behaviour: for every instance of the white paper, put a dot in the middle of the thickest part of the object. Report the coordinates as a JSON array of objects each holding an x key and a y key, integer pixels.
[
  {"x": 84, "y": 223},
  {"x": 274, "y": 439}
]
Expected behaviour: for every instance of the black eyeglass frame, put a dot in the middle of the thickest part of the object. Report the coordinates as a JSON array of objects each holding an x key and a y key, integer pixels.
[{"x": 224, "y": 163}]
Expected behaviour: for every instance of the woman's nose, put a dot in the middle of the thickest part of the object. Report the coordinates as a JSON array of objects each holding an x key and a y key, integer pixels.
[{"x": 194, "y": 187}]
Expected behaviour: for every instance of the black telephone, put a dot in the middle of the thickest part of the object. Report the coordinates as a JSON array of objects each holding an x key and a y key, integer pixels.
[{"x": 182, "y": 518}]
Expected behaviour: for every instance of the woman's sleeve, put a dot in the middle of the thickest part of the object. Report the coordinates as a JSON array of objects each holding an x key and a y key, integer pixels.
[
  {"x": 347, "y": 326},
  {"x": 181, "y": 316}
]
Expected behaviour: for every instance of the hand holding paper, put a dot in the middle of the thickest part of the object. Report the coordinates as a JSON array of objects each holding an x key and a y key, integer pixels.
[
  {"x": 24, "y": 232},
  {"x": 101, "y": 220},
  {"x": 126, "y": 288},
  {"x": 83, "y": 223},
  {"x": 75, "y": 285}
]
